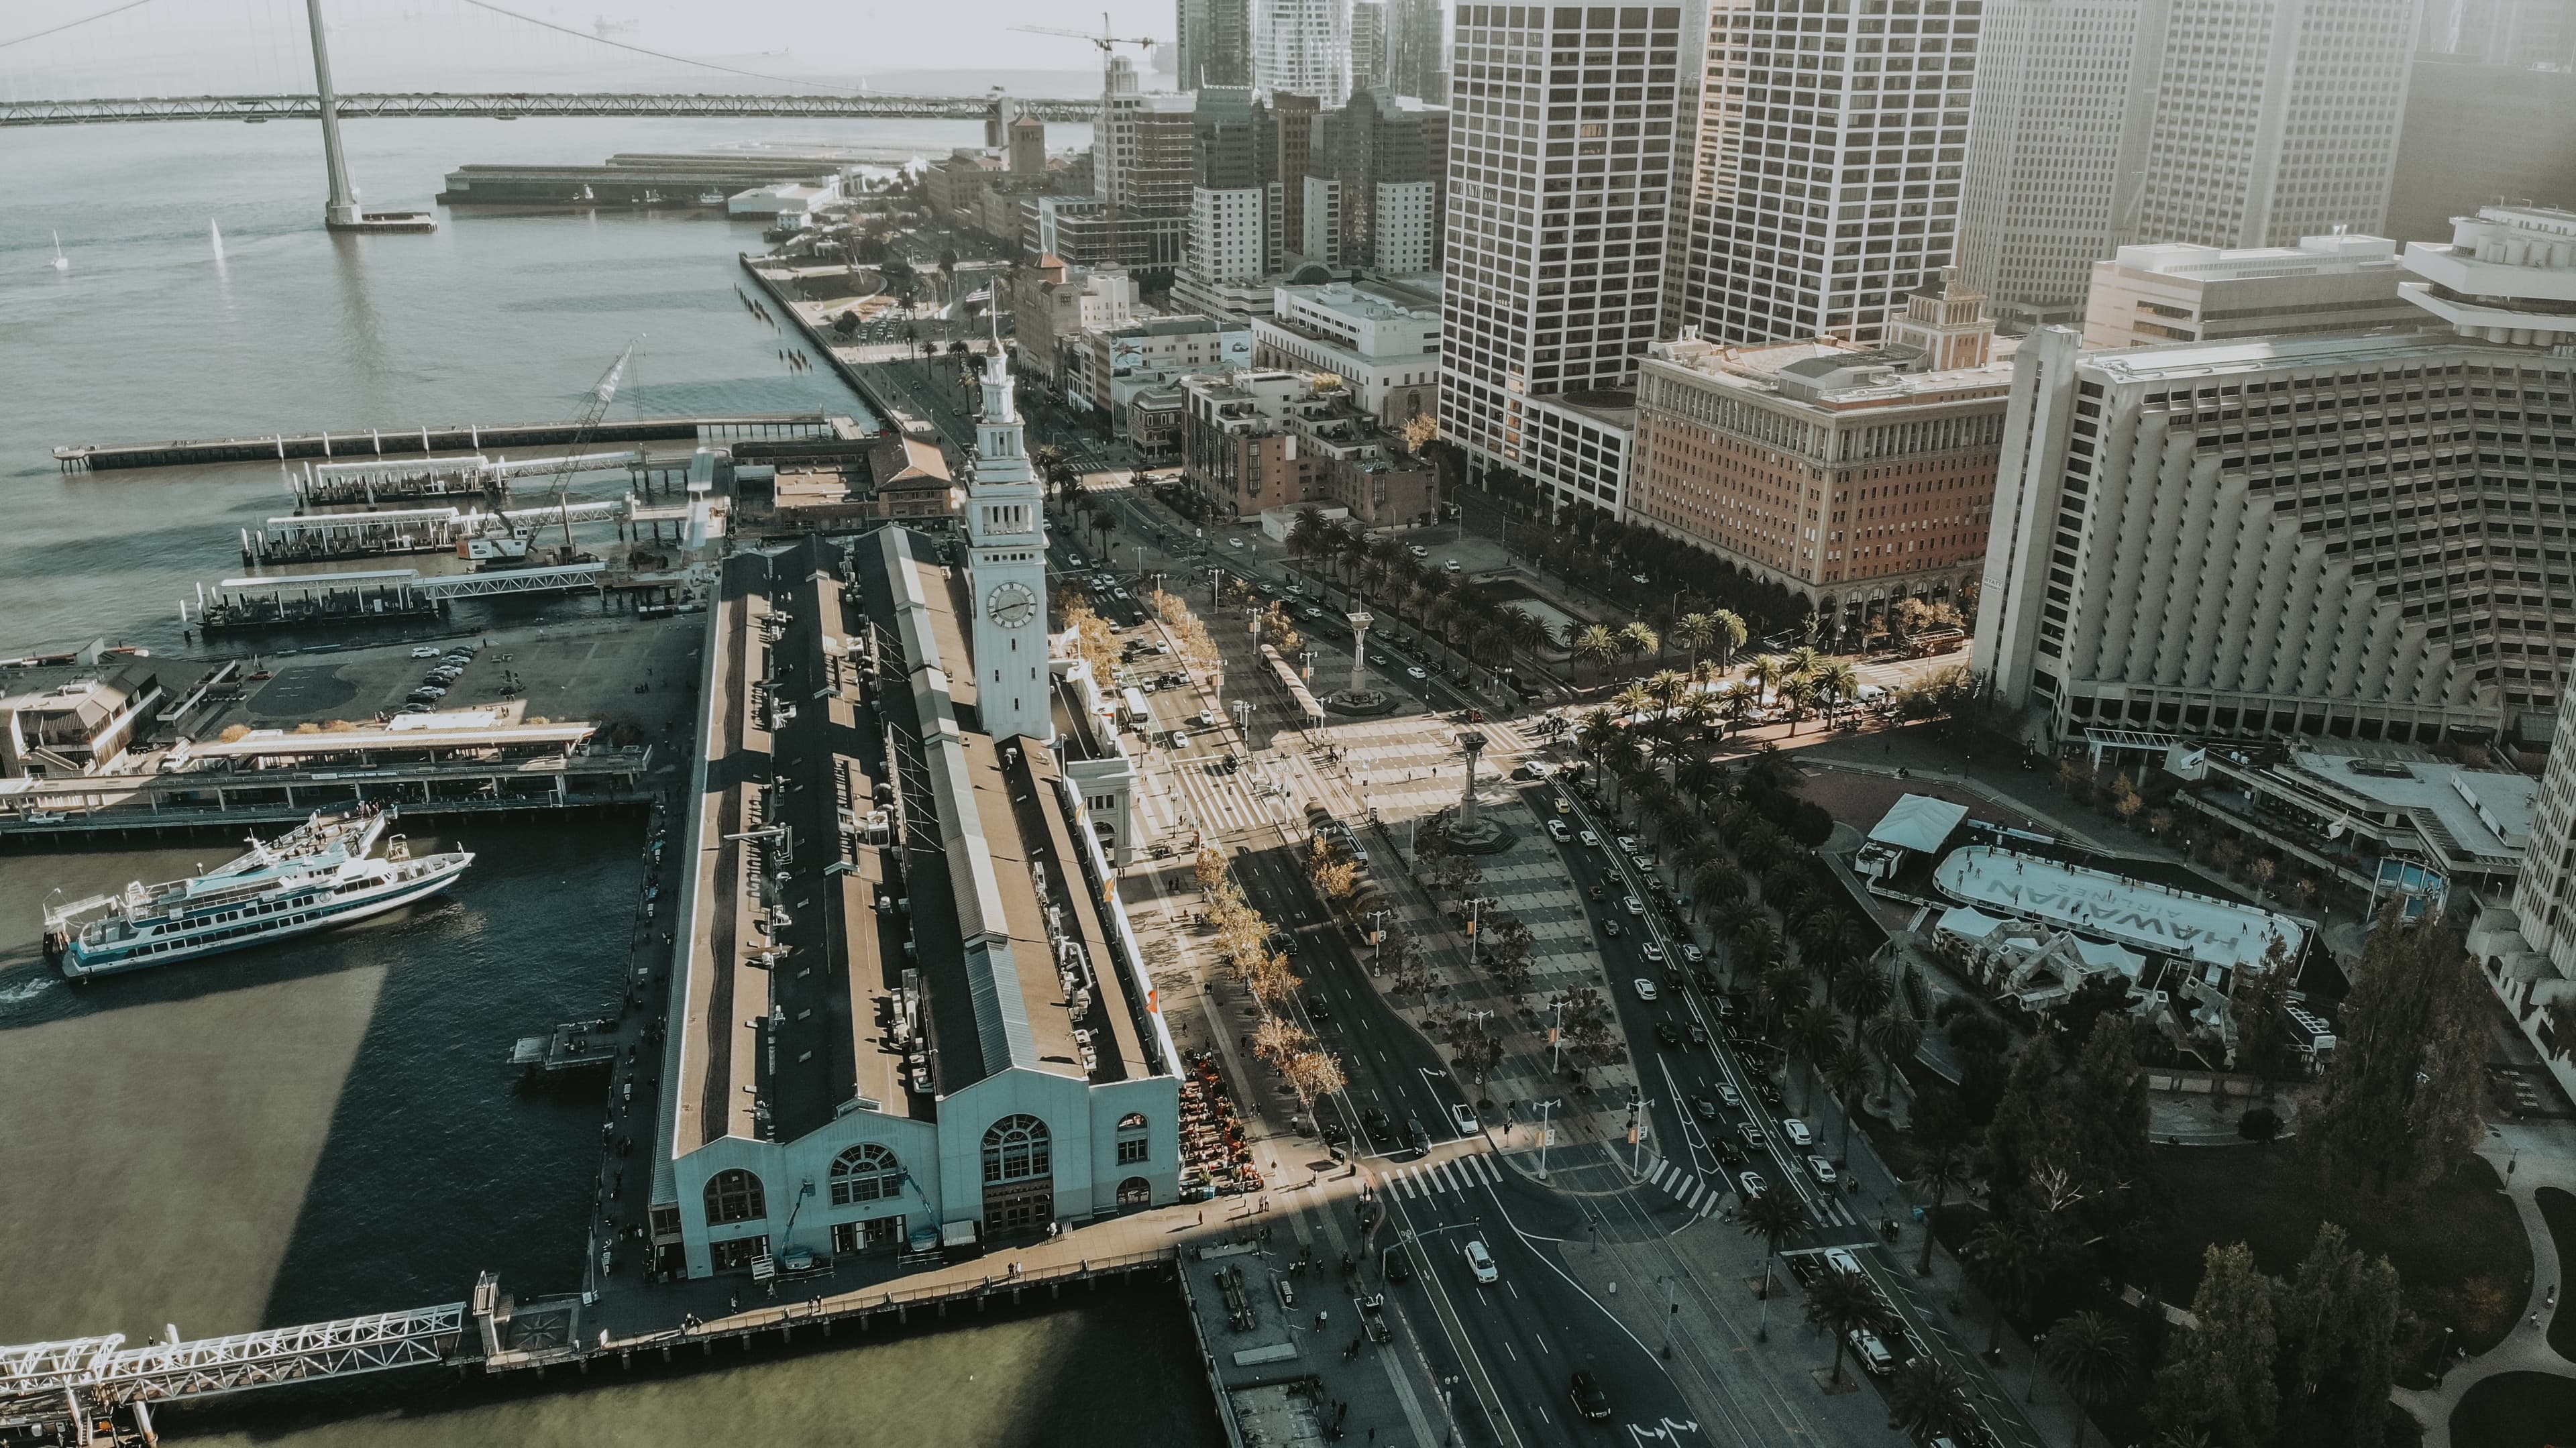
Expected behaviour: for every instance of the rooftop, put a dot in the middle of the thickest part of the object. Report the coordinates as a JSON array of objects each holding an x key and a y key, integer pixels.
[
  {"x": 2486, "y": 812},
  {"x": 2314, "y": 255},
  {"x": 2158, "y": 919},
  {"x": 1830, "y": 376},
  {"x": 2191, "y": 360}
]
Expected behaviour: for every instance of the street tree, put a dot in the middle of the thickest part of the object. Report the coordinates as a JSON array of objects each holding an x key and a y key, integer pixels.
[
  {"x": 1843, "y": 1304},
  {"x": 1929, "y": 1399},
  {"x": 1208, "y": 870},
  {"x": 2005, "y": 1258},
  {"x": 2088, "y": 1354},
  {"x": 1775, "y": 1216},
  {"x": 2400, "y": 1100},
  {"x": 1895, "y": 1035},
  {"x": 2217, "y": 1376},
  {"x": 1940, "y": 1173}
]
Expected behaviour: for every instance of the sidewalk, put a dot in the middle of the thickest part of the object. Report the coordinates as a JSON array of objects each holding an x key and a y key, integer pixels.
[{"x": 2528, "y": 1155}]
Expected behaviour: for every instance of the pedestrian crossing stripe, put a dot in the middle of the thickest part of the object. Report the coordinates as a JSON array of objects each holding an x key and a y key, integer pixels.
[{"x": 1425, "y": 1179}]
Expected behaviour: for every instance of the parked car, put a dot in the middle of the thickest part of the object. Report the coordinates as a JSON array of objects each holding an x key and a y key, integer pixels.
[
  {"x": 1693, "y": 954},
  {"x": 424, "y": 653},
  {"x": 1873, "y": 1354},
  {"x": 1797, "y": 1132},
  {"x": 1841, "y": 1260},
  {"x": 1822, "y": 1170}
]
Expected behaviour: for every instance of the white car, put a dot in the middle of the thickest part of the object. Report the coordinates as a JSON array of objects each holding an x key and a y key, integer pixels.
[
  {"x": 1751, "y": 1183},
  {"x": 1730, "y": 1095},
  {"x": 424, "y": 653},
  {"x": 1418, "y": 551},
  {"x": 1797, "y": 1132},
  {"x": 1872, "y": 1353},
  {"x": 1590, "y": 840},
  {"x": 1645, "y": 988},
  {"x": 1654, "y": 952},
  {"x": 1450, "y": 566},
  {"x": 1207, "y": 718},
  {"x": 1822, "y": 1170},
  {"x": 1417, "y": 673},
  {"x": 1636, "y": 906},
  {"x": 1465, "y": 1120},
  {"x": 1233, "y": 542},
  {"x": 1627, "y": 844},
  {"x": 1841, "y": 1260},
  {"x": 1557, "y": 831},
  {"x": 1481, "y": 1262}
]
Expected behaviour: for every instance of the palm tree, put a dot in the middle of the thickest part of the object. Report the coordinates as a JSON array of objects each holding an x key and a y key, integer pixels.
[
  {"x": 2089, "y": 1354},
  {"x": 1632, "y": 702},
  {"x": 1737, "y": 700},
  {"x": 1800, "y": 691},
  {"x": 1843, "y": 1304},
  {"x": 1666, "y": 687},
  {"x": 1638, "y": 638},
  {"x": 1696, "y": 632},
  {"x": 1846, "y": 1073},
  {"x": 1838, "y": 683},
  {"x": 1861, "y": 988},
  {"x": 1767, "y": 674},
  {"x": 1716, "y": 884},
  {"x": 1815, "y": 1033},
  {"x": 1805, "y": 660},
  {"x": 2005, "y": 1260},
  {"x": 1731, "y": 635},
  {"x": 1896, "y": 1035},
  {"x": 1929, "y": 1399},
  {"x": 1596, "y": 645},
  {"x": 1775, "y": 1216},
  {"x": 1941, "y": 1173}
]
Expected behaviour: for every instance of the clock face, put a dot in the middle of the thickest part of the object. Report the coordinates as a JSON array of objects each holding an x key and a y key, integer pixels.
[{"x": 1011, "y": 605}]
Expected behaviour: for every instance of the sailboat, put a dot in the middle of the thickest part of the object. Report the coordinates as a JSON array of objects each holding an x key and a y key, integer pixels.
[
  {"x": 217, "y": 233},
  {"x": 61, "y": 262}
]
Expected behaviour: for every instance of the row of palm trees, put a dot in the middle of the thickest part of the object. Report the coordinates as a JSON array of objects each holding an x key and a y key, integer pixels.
[{"x": 1383, "y": 570}]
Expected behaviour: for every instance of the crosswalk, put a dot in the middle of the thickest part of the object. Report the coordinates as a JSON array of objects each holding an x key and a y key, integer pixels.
[
  {"x": 1213, "y": 804},
  {"x": 1425, "y": 1180},
  {"x": 1702, "y": 1197}
]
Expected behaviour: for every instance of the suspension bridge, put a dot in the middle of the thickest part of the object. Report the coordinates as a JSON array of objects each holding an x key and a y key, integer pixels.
[{"x": 329, "y": 106}]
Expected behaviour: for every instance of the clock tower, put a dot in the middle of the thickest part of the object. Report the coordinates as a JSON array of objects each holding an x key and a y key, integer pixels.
[{"x": 1006, "y": 568}]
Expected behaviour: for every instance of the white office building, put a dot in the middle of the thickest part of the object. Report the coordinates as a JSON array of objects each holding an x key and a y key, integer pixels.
[
  {"x": 2226, "y": 123},
  {"x": 1826, "y": 182},
  {"x": 2359, "y": 536},
  {"x": 1561, "y": 174},
  {"x": 2177, "y": 292},
  {"x": 1302, "y": 47},
  {"x": 1383, "y": 338}
]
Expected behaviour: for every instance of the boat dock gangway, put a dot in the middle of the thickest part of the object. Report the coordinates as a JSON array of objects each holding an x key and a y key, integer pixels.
[
  {"x": 303, "y": 536},
  {"x": 46, "y": 1384}
]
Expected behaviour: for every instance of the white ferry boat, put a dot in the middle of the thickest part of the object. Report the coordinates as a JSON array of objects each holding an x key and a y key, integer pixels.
[{"x": 321, "y": 874}]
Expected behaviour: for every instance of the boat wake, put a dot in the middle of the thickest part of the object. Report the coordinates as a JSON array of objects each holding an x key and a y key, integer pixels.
[{"x": 25, "y": 990}]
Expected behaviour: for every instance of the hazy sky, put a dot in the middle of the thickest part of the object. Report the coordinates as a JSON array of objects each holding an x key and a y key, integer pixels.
[{"x": 255, "y": 46}]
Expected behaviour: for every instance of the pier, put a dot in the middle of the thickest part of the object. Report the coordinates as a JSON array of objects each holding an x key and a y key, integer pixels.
[
  {"x": 96, "y": 1390},
  {"x": 422, "y": 442},
  {"x": 315, "y": 537},
  {"x": 383, "y": 595},
  {"x": 422, "y": 765}
]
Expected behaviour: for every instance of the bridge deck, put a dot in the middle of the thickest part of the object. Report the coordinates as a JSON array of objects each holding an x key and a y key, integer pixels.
[
  {"x": 416, "y": 442},
  {"x": 513, "y": 105}
]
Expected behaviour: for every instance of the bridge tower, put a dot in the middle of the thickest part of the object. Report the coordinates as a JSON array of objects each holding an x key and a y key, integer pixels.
[{"x": 341, "y": 212}]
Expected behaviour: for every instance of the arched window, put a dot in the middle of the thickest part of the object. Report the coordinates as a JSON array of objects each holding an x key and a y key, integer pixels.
[
  {"x": 735, "y": 1196},
  {"x": 865, "y": 1173},
  {"x": 1133, "y": 1144},
  {"x": 1135, "y": 1192},
  {"x": 1016, "y": 1147}
]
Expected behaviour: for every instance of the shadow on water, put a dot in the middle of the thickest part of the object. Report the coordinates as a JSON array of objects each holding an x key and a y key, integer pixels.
[
  {"x": 1115, "y": 1367},
  {"x": 441, "y": 1160}
]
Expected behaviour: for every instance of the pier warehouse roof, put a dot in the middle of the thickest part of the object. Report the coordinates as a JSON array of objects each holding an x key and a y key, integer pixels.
[{"x": 901, "y": 959}]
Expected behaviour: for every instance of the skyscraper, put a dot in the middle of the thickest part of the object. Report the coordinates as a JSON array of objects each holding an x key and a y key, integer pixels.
[
  {"x": 2226, "y": 123},
  {"x": 1417, "y": 49},
  {"x": 2057, "y": 138},
  {"x": 2358, "y": 535},
  {"x": 1377, "y": 168},
  {"x": 1302, "y": 47},
  {"x": 1214, "y": 42},
  {"x": 1144, "y": 149},
  {"x": 1827, "y": 176},
  {"x": 1368, "y": 43},
  {"x": 1560, "y": 175}
]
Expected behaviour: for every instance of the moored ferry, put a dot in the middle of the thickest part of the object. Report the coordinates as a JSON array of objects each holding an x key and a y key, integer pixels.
[{"x": 323, "y": 873}]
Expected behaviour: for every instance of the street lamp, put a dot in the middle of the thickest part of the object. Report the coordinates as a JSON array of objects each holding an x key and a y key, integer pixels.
[{"x": 1546, "y": 1133}]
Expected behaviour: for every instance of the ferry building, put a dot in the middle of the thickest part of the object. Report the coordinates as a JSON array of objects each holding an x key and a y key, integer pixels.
[{"x": 907, "y": 1010}]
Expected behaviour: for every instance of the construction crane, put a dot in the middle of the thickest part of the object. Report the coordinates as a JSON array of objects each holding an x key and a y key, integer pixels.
[
  {"x": 1104, "y": 39},
  {"x": 593, "y": 408}
]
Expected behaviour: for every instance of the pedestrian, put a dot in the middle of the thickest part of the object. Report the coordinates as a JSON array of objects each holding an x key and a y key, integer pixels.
[
  {"x": 1202, "y": 1216},
  {"x": 734, "y": 1303}
]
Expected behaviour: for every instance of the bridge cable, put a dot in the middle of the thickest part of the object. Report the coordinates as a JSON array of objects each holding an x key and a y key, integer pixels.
[
  {"x": 74, "y": 24},
  {"x": 622, "y": 45}
]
